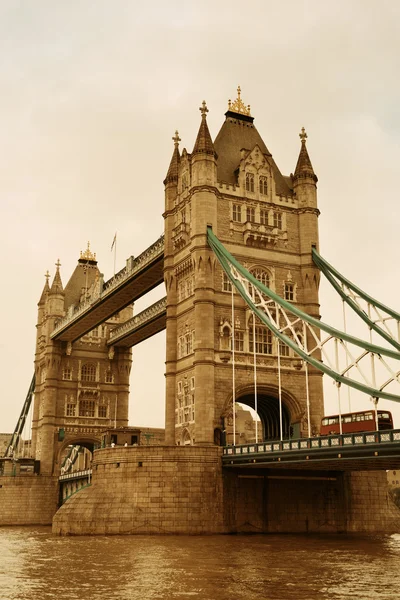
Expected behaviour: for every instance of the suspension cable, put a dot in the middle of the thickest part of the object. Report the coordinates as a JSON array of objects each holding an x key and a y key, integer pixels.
[{"x": 233, "y": 369}]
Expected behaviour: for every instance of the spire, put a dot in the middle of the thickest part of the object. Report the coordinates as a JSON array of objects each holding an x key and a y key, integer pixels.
[
  {"x": 46, "y": 289},
  {"x": 172, "y": 175},
  {"x": 56, "y": 286},
  {"x": 304, "y": 167},
  {"x": 204, "y": 142}
]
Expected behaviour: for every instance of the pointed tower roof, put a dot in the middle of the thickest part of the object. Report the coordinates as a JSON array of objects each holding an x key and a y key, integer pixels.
[
  {"x": 204, "y": 143},
  {"x": 82, "y": 278},
  {"x": 304, "y": 167},
  {"x": 46, "y": 290},
  {"x": 239, "y": 132},
  {"x": 172, "y": 175},
  {"x": 57, "y": 286}
]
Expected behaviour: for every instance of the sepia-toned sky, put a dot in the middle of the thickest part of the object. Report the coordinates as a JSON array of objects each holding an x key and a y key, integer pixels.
[{"x": 91, "y": 92}]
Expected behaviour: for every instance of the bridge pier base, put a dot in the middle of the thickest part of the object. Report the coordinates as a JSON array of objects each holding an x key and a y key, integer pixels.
[
  {"x": 185, "y": 490},
  {"x": 308, "y": 501}
]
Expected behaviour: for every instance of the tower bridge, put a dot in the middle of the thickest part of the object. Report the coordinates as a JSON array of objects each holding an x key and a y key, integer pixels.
[{"x": 241, "y": 266}]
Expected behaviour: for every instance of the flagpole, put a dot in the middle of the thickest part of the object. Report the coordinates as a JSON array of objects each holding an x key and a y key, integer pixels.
[{"x": 115, "y": 252}]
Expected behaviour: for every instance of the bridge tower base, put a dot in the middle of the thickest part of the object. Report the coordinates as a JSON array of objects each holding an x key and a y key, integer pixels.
[{"x": 184, "y": 490}]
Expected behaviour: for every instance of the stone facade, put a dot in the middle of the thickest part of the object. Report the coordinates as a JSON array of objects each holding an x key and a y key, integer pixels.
[
  {"x": 28, "y": 500},
  {"x": 267, "y": 221},
  {"x": 81, "y": 388},
  {"x": 152, "y": 489}
]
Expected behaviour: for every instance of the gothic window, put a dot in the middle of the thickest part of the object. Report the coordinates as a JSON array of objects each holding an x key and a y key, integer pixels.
[
  {"x": 70, "y": 410},
  {"x": 263, "y": 217},
  {"x": 239, "y": 341},
  {"x": 86, "y": 408},
  {"x": 88, "y": 372},
  {"x": 179, "y": 387},
  {"x": 109, "y": 378},
  {"x": 226, "y": 283},
  {"x": 67, "y": 373},
  {"x": 250, "y": 214},
  {"x": 283, "y": 349},
  {"x": 188, "y": 343},
  {"x": 289, "y": 291},
  {"x": 263, "y": 339},
  {"x": 237, "y": 213},
  {"x": 249, "y": 182},
  {"x": 102, "y": 411},
  {"x": 263, "y": 182},
  {"x": 261, "y": 275},
  {"x": 278, "y": 220}
]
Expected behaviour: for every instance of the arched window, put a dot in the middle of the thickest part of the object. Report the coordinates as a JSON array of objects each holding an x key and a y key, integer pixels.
[
  {"x": 88, "y": 372},
  {"x": 263, "y": 339},
  {"x": 109, "y": 378},
  {"x": 263, "y": 182},
  {"x": 262, "y": 275},
  {"x": 249, "y": 182}
]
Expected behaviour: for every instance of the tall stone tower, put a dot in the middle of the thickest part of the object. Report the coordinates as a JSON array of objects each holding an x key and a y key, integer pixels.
[
  {"x": 81, "y": 388},
  {"x": 269, "y": 223}
]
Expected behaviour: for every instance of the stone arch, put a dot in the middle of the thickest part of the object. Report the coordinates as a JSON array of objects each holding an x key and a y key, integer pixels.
[
  {"x": 88, "y": 442},
  {"x": 268, "y": 409},
  {"x": 186, "y": 439}
]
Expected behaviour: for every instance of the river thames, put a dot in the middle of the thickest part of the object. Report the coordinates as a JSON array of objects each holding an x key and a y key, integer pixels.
[{"x": 36, "y": 565}]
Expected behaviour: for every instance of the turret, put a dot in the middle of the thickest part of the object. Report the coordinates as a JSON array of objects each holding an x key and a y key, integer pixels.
[
  {"x": 55, "y": 297},
  {"x": 204, "y": 156},
  {"x": 304, "y": 179}
]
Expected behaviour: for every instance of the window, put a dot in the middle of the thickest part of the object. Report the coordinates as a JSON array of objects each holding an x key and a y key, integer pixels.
[
  {"x": 283, "y": 349},
  {"x": 289, "y": 291},
  {"x": 263, "y": 217},
  {"x": 86, "y": 408},
  {"x": 250, "y": 214},
  {"x": 239, "y": 341},
  {"x": 237, "y": 213},
  {"x": 67, "y": 373},
  {"x": 188, "y": 343},
  {"x": 278, "y": 220},
  {"x": 249, "y": 182},
  {"x": 70, "y": 410},
  {"x": 185, "y": 344},
  {"x": 103, "y": 411},
  {"x": 261, "y": 275},
  {"x": 88, "y": 372},
  {"x": 179, "y": 387},
  {"x": 226, "y": 283},
  {"x": 263, "y": 340},
  {"x": 192, "y": 383},
  {"x": 109, "y": 376},
  {"x": 263, "y": 182}
]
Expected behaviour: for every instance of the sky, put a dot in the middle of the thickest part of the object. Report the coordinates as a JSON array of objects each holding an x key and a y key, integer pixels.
[{"x": 91, "y": 93}]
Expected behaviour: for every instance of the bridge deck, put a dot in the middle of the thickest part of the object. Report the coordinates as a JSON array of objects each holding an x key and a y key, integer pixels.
[
  {"x": 145, "y": 324},
  {"x": 140, "y": 276},
  {"x": 378, "y": 450}
]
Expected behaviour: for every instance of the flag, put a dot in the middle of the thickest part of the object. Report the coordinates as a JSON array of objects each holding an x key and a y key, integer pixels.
[{"x": 114, "y": 241}]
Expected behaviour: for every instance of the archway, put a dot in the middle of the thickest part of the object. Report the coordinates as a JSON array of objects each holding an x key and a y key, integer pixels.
[{"x": 269, "y": 414}]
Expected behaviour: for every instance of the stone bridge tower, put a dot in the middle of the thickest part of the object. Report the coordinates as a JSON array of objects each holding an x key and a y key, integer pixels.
[
  {"x": 269, "y": 223},
  {"x": 82, "y": 387}
]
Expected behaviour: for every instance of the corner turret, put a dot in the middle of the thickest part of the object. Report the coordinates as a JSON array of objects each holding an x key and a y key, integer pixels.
[{"x": 204, "y": 156}]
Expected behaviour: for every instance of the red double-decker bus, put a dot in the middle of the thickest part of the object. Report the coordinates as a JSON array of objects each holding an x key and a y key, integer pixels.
[{"x": 356, "y": 421}]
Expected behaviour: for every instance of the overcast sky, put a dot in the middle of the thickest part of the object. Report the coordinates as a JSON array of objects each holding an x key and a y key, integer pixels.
[{"x": 91, "y": 94}]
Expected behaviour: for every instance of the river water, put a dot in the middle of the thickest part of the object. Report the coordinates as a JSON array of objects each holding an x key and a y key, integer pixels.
[{"x": 34, "y": 565}]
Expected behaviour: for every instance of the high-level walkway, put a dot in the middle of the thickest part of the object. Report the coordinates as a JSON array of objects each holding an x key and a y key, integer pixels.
[{"x": 139, "y": 276}]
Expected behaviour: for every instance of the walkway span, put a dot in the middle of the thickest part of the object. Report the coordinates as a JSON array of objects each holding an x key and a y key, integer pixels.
[{"x": 139, "y": 276}]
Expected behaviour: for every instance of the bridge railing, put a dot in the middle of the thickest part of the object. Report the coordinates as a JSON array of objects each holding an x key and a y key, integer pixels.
[
  {"x": 133, "y": 265},
  {"x": 76, "y": 475},
  {"x": 140, "y": 319},
  {"x": 309, "y": 444}
]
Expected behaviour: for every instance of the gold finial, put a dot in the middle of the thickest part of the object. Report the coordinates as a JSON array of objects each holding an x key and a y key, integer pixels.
[
  {"x": 88, "y": 255},
  {"x": 47, "y": 275},
  {"x": 176, "y": 138},
  {"x": 303, "y": 136},
  {"x": 58, "y": 264},
  {"x": 203, "y": 109},
  {"x": 238, "y": 106}
]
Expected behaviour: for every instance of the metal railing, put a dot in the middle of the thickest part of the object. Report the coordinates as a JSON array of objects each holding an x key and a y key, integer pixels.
[{"x": 346, "y": 440}]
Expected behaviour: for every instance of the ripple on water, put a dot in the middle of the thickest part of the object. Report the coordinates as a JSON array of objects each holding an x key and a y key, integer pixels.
[{"x": 35, "y": 566}]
